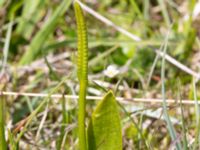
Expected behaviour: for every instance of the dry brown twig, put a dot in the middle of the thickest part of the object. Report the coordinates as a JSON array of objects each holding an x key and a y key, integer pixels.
[{"x": 120, "y": 99}]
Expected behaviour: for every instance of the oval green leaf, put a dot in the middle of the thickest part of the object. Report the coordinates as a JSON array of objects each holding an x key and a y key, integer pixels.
[{"x": 104, "y": 130}]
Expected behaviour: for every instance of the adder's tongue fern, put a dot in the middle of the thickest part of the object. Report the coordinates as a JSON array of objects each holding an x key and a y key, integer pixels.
[{"x": 82, "y": 72}]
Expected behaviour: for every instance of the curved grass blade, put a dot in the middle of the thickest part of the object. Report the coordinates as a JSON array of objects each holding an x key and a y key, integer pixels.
[
  {"x": 104, "y": 131},
  {"x": 166, "y": 115},
  {"x": 31, "y": 13},
  {"x": 3, "y": 144},
  {"x": 40, "y": 38},
  {"x": 82, "y": 72},
  {"x": 196, "y": 144},
  {"x": 164, "y": 12},
  {"x": 39, "y": 108}
]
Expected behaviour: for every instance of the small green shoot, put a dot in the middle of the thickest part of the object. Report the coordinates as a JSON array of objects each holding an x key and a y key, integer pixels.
[{"x": 82, "y": 73}]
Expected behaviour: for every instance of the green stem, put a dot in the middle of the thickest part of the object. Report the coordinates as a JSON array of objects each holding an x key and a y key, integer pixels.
[
  {"x": 81, "y": 116},
  {"x": 3, "y": 145}
]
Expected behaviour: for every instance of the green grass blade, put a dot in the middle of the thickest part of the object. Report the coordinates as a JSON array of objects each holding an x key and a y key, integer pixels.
[
  {"x": 100, "y": 57},
  {"x": 136, "y": 125},
  {"x": 6, "y": 46},
  {"x": 82, "y": 72},
  {"x": 164, "y": 12},
  {"x": 136, "y": 8},
  {"x": 41, "y": 105},
  {"x": 146, "y": 9},
  {"x": 40, "y": 38},
  {"x": 30, "y": 15},
  {"x": 12, "y": 143},
  {"x": 153, "y": 67},
  {"x": 197, "y": 111},
  {"x": 184, "y": 130},
  {"x": 64, "y": 122},
  {"x": 166, "y": 116},
  {"x": 3, "y": 144}
]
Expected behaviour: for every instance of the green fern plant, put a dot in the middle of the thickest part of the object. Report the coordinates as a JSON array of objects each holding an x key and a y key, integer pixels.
[
  {"x": 82, "y": 72},
  {"x": 104, "y": 130}
]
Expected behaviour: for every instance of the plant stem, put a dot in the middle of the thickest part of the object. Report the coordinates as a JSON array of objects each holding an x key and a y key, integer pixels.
[
  {"x": 3, "y": 145},
  {"x": 81, "y": 117}
]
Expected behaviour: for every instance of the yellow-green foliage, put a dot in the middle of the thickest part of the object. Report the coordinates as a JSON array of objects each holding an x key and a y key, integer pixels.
[{"x": 82, "y": 72}]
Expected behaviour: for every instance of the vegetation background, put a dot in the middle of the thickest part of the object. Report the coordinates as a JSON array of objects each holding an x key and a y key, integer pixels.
[{"x": 38, "y": 44}]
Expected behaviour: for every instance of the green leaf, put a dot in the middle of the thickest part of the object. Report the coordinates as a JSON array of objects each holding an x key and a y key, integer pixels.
[{"x": 104, "y": 130}]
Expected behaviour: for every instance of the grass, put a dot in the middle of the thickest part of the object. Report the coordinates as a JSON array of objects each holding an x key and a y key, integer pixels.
[
  {"x": 166, "y": 115},
  {"x": 49, "y": 26},
  {"x": 39, "y": 56}
]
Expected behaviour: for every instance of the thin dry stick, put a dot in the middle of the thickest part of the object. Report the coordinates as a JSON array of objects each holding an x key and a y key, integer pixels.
[
  {"x": 136, "y": 38},
  {"x": 42, "y": 123},
  {"x": 179, "y": 65},
  {"x": 120, "y": 99}
]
